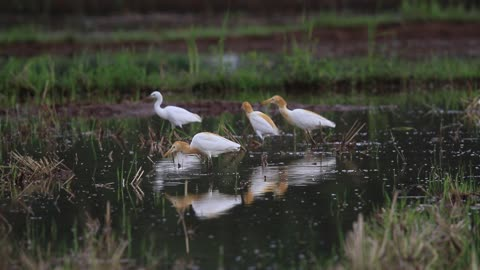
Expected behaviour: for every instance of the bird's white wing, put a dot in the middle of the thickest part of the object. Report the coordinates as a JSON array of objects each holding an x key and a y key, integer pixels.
[
  {"x": 182, "y": 116},
  {"x": 259, "y": 122},
  {"x": 310, "y": 120},
  {"x": 210, "y": 142}
]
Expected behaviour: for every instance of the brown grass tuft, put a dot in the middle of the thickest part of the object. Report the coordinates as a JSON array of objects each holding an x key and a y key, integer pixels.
[
  {"x": 25, "y": 175},
  {"x": 405, "y": 237}
]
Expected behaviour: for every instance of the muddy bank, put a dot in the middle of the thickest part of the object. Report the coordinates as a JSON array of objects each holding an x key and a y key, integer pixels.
[
  {"x": 413, "y": 40},
  {"x": 144, "y": 108},
  {"x": 371, "y": 85}
]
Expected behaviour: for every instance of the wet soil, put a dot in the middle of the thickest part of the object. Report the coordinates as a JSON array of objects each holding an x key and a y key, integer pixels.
[
  {"x": 144, "y": 108},
  {"x": 411, "y": 40}
]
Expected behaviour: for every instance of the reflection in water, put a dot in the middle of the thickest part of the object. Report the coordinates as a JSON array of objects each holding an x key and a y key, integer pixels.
[
  {"x": 266, "y": 180},
  {"x": 181, "y": 204},
  {"x": 276, "y": 179},
  {"x": 214, "y": 203},
  {"x": 310, "y": 169},
  {"x": 187, "y": 167},
  {"x": 207, "y": 205},
  {"x": 168, "y": 173},
  {"x": 273, "y": 179},
  {"x": 182, "y": 162}
]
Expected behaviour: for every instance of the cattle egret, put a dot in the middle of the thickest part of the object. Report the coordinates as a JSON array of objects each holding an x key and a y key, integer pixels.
[
  {"x": 175, "y": 115},
  {"x": 204, "y": 143},
  {"x": 261, "y": 123},
  {"x": 301, "y": 118}
]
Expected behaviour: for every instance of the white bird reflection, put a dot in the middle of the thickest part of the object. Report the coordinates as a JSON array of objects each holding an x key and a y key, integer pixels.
[
  {"x": 277, "y": 179},
  {"x": 310, "y": 169},
  {"x": 207, "y": 205},
  {"x": 214, "y": 203},
  {"x": 263, "y": 180},
  {"x": 187, "y": 167},
  {"x": 183, "y": 168}
]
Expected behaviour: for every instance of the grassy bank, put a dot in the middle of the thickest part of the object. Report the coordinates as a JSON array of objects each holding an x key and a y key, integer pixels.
[
  {"x": 110, "y": 77},
  {"x": 439, "y": 230}
]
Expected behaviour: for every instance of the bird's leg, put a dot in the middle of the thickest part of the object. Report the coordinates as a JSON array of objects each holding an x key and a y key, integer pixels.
[
  {"x": 321, "y": 135},
  {"x": 310, "y": 138},
  {"x": 264, "y": 159},
  {"x": 175, "y": 134},
  {"x": 170, "y": 135},
  {"x": 294, "y": 140},
  {"x": 307, "y": 137},
  {"x": 313, "y": 139},
  {"x": 209, "y": 163},
  {"x": 261, "y": 137},
  {"x": 256, "y": 143}
]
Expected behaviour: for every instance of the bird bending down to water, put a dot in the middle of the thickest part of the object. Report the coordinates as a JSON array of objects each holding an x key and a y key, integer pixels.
[
  {"x": 175, "y": 115},
  {"x": 300, "y": 118},
  {"x": 205, "y": 143},
  {"x": 261, "y": 123}
]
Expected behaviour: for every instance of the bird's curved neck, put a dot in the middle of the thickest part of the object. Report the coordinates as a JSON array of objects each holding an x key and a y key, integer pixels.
[
  {"x": 281, "y": 103},
  {"x": 285, "y": 112},
  {"x": 158, "y": 109},
  {"x": 247, "y": 108},
  {"x": 188, "y": 150},
  {"x": 284, "y": 109}
]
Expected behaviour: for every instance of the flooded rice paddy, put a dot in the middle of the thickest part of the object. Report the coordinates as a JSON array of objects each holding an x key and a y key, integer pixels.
[{"x": 242, "y": 213}]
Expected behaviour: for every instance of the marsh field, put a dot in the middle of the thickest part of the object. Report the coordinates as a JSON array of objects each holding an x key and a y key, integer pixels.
[{"x": 85, "y": 183}]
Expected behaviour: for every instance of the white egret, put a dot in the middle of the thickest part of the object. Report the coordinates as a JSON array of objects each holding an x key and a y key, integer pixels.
[
  {"x": 204, "y": 143},
  {"x": 261, "y": 123},
  {"x": 304, "y": 119},
  {"x": 175, "y": 115}
]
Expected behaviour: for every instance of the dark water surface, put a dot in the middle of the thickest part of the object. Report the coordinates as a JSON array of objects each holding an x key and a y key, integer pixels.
[{"x": 240, "y": 214}]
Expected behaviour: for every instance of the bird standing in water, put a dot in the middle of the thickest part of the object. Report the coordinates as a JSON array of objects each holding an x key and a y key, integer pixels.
[
  {"x": 205, "y": 143},
  {"x": 261, "y": 123},
  {"x": 304, "y": 119},
  {"x": 175, "y": 115}
]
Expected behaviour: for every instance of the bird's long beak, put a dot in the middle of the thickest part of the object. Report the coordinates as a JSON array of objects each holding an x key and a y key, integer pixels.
[
  {"x": 169, "y": 152},
  {"x": 267, "y": 101}
]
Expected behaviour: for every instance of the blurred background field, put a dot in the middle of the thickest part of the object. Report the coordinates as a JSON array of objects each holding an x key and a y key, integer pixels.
[
  {"x": 83, "y": 180},
  {"x": 65, "y": 51}
]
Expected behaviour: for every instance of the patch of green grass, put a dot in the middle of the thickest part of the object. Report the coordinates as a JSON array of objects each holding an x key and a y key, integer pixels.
[
  {"x": 434, "y": 10},
  {"x": 112, "y": 77}
]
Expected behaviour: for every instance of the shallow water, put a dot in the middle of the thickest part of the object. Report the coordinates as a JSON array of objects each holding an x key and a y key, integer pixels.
[{"x": 239, "y": 214}]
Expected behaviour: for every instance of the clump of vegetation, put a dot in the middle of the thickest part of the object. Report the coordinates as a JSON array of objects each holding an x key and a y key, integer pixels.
[
  {"x": 26, "y": 175},
  {"x": 98, "y": 248},
  {"x": 438, "y": 233}
]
